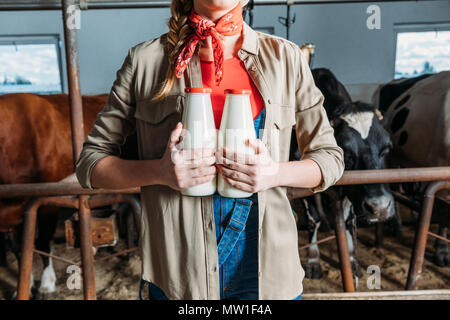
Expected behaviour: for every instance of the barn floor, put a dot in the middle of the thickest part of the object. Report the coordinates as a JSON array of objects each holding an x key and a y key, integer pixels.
[
  {"x": 392, "y": 259},
  {"x": 118, "y": 278}
]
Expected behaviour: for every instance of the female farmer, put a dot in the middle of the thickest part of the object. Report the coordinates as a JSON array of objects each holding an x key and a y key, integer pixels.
[{"x": 214, "y": 247}]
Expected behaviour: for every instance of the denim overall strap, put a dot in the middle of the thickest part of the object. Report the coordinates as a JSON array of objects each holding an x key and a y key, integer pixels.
[{"x": 234, "y": 228}]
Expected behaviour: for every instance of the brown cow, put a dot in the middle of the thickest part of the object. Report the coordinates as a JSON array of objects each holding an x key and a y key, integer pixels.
[{"x": 36, "y": 146}]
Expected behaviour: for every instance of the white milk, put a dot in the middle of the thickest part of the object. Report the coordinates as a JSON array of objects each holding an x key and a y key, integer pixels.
[
  {"x": 198, "y": 120},
  {"x": 236, "y": 127}
]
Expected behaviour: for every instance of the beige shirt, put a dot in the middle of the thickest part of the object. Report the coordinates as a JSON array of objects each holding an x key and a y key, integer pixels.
[{"x": 178, "y": 240}]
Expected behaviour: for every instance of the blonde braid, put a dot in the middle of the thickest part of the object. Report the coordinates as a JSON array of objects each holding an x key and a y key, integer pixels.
[{"x": 179, "y": 30}]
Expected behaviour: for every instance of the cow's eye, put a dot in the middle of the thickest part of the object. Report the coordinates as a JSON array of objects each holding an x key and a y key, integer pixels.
[{"x": 384, "y": 151}]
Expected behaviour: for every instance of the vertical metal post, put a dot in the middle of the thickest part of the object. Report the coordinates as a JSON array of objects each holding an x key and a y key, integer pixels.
[
  {"x": 344, "y": 255},
  {"x": 420, "y": 240},
  {"x": 87, "y": 255},
  {"x": 26, "y": 259},
  {"x": 78, "y": 137},
  {"x": 75, "y": 100},
  {"x": 287, "y": 21}
]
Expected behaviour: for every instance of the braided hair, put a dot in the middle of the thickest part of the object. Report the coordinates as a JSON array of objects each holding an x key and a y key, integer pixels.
[{"x": 179, "y": 31}]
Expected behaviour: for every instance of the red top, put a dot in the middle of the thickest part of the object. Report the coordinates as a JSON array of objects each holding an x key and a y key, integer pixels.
[
  {"x": 238, "y": 91},
  {"x": 197, "y": 90},
  {"x": 235, "y": 76}
]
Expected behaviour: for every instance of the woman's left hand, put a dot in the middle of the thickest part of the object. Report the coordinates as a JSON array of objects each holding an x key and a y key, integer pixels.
[{"x": 250, "y": 173}]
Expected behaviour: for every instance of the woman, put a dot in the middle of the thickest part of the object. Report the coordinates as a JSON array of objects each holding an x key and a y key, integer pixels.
[{"x": 214, "y": 247}]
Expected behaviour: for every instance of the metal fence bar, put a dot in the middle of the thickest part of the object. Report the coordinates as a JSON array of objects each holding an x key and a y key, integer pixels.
[
  {"x": 438, "y": 236},
  {"x": 381, "y": 295},
  {"x": 424, "y": 174},
  {"x": 29, "y": 231},
  {"x": 117, "y": 254},
  {"x": 26, "y": 263},
  {"x": 344, "y": 254},
  {"x": 54, "y": 189},
  {"x": 78, "y": 137},
  {"x": 306, "y": 246},
  {"x": 349, "y": 177},
  {"x": 102, "y": 5},
  {"x": 420, "y": 239},
  {"x": 42, "y": 253}
]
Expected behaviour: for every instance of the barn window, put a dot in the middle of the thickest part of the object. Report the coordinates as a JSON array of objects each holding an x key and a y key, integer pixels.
[
  {"x": 422, "y": 49},
  {"x": 30, "y": 64}
]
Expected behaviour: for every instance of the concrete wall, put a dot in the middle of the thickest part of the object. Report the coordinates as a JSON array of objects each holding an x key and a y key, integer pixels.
[{"x": 343, "y": 42}]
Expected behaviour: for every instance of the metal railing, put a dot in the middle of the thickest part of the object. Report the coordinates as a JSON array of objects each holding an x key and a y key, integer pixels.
[
  {"x": 54, "y": 194},
  {"x": 107, "y": 5},
  {"x": 421, "y": 174}
]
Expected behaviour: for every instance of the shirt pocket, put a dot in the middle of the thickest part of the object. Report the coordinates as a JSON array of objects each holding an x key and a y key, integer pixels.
[
  {"x": 283, "y": 120},
  {"x": 154, "y": 123}
]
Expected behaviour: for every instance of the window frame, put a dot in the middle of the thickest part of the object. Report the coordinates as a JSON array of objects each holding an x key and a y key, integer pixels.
[
  {"x": 27, "y": 39},
  {"x": 405, "y": 27}
]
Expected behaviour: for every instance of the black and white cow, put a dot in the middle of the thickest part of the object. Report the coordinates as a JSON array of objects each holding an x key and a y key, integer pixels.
[
  {"x": 360, "y": 133},
  {"x": 416, "y": 113}
]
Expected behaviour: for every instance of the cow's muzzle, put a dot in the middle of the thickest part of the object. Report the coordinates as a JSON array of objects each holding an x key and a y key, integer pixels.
[{"x": 378, "y": 209}]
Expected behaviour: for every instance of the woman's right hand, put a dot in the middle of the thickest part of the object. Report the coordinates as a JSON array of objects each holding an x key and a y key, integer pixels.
[{"x": 182, "y": 169}]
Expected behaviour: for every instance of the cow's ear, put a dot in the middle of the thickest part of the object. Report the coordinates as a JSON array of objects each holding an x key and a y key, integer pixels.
[
  {"x": 335, "y": 122},
  {"x": 383, "y": 119},
  {"x": 379, "y": 114}
]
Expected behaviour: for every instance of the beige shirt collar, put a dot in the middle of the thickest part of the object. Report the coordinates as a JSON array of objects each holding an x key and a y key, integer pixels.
[{"x": 250, "y": 42}]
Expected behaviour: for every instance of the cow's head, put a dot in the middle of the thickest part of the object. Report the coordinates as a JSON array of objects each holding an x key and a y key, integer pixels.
[{"x": 366, "y": 144}]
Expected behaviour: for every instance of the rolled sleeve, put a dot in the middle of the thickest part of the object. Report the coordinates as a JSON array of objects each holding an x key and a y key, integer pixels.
[
  {"x": 112, "y": 126},
  {"x": 315, "y": 136}
]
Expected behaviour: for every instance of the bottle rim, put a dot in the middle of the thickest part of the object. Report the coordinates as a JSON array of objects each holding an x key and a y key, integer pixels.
[
  {"x": 237, "y": 91},
  {"x": 198, "y": 90}
]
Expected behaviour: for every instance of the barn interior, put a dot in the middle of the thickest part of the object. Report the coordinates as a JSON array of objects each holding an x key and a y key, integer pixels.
[
  {"x": 358, "y": 55},
  {"x": 365, "y": 44}
]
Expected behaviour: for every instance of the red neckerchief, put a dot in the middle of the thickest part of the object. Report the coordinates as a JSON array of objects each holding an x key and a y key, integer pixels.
[{"x": 228, "y": 25}]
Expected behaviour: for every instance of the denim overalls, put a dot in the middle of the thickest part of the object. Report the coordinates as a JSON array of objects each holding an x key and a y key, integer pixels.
[{"x": 236, "y": 222}]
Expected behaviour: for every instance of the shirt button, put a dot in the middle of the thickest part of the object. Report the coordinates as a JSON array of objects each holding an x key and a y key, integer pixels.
[
  {"x": 269, "y": 101},
  {"x": 259, "y": 273},
  {"x": 214, "y": 269},
  {"x": 253, "y": 68}
]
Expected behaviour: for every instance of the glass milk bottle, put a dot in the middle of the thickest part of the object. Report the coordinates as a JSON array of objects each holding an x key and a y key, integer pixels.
[
  {"x": 198, "y": 121},
  {"x": 236, "y": 127}
]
